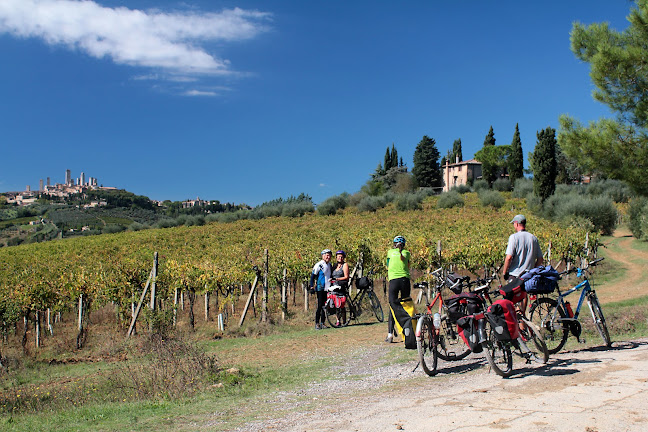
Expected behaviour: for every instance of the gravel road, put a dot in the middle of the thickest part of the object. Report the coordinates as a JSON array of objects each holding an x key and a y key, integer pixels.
[{"x": 589, "y": 390}]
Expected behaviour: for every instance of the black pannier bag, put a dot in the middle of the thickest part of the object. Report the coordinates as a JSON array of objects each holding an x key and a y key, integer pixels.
[
  {"x": 454, "y": 282},
  {"x": 514, "y": 290},
  {"x": 364, "y": 283},
  {"x": 469, "y": 333},
  {"x": 460, "y": 305}
]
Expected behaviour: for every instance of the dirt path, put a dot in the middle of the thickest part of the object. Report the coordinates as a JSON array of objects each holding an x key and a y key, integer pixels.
[{"x": 634, "y": 282}]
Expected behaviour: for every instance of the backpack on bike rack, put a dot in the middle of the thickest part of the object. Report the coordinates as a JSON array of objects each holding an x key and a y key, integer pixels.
[
  {"x": 404, "y": 324},
  {"x": 460, "y": 305},
  {"x": 514, "y": 290},
  {"x": 540, "y": 280},
  {"x": 468, "y": 332},
  {"x": 503, "y": 320}
]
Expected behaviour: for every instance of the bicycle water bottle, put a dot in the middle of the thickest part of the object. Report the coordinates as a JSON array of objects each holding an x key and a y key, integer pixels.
[
  {"x": 436, "y": 320},
  {"x": 570, "y": 312}
]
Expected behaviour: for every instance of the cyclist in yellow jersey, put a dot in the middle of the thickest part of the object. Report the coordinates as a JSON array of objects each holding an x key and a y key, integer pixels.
[{"x": 398, "y": 274}]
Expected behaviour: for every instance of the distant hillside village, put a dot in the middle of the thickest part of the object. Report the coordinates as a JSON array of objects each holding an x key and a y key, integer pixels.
[
  {"x": 58, "y": 190},
  {"x": 77, "y": 187}
]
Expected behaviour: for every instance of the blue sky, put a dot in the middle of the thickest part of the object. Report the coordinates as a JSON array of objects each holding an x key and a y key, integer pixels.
[{"x": 248, "y": 101}]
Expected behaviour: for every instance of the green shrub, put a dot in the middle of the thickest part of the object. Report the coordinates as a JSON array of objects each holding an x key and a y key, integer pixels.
[
  {"x": 480, "y": 184},
  {"x": 491, "y": 198},
  {"x": 461, "y": 189},
  {"x": 297, "y": 209},
  {"x": 565, "y": 189},
  {"x": 534, "y": 203},
  {"x": 617, "y": 190},
  {"x": 600, "y": 211},
  {"x": 136, "y": 226},
  {"x": 331, "y": 205},
  {"x": 450, "y": 199},
  {"x": 410, "y": 201},
  {"x": 113, "y": 228},
  {"x": 165, "y": 223},
  {"x": 198, "y": 220},
  {"x": 502, "y": 185},
  {"x": 523, "y": 187},
  {"x": 372, "y": 203},
  {"x": 638, "y": 217}
]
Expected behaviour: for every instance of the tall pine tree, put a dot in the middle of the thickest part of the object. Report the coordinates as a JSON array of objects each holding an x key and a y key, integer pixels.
[
  {"x": 544, "y": 164},
  {"x": 426, "y": 171},
  {"x": 516, "y": 158}
]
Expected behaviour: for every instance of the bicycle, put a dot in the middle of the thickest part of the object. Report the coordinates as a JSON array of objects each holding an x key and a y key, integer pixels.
[
  {"x": 499, "y": 352},
  {"x": 556, "y": 319},
  {"x": 354, "y": 307},
  {"x": 436, "y": 335}
]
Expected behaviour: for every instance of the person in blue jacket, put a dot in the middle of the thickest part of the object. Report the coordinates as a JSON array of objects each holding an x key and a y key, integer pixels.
[{"x": 320, "y": 281}]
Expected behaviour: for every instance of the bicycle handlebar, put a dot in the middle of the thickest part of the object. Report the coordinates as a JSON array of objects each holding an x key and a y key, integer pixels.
[{"x": 575, "y": 269}]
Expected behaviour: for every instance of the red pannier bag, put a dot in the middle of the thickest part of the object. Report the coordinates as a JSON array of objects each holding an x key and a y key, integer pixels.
[
  {"x": 503, "y": 320},
  {"x": 514, "y": 290}
]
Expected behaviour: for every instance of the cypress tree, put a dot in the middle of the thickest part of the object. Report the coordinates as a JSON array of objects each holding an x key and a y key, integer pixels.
[
  {"x": 544, "y": 164},
  {"x": 388, "y": 161},
  {"x": 426, "y": 171},
  {"x": 456, "y": 151},
  {"x": 394, "y": 157},
  {"x": 490, "y": 138},
  {"x": 516, "y": 158}
]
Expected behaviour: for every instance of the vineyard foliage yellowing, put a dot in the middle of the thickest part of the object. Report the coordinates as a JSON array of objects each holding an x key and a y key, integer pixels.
[{"x": 214, "y": 257}]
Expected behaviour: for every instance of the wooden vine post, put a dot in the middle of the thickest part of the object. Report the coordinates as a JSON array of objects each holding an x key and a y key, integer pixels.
[
  {"x": 143, "y": 296},
  {"x": 250, "y": 297},
  {"x": 284, "y": 299},
  {"x": 38, "y": 332},
  {"x": 206, "y": 304},
  {"x": 153, "y": 281},
  {"x": 264, "y": 300},
  {"x": 175, "y": 307},
  {"x": 305, "y": 288}
]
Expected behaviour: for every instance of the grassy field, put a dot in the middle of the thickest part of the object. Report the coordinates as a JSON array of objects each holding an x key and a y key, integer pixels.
[{"x": 213, "y": 381}]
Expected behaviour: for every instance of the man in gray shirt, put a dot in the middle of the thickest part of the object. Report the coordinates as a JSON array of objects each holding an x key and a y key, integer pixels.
[{"x": 523, "y": 251}]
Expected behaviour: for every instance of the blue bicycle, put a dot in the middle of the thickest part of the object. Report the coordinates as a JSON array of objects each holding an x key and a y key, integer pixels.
[{"x": 556, "y": 319}]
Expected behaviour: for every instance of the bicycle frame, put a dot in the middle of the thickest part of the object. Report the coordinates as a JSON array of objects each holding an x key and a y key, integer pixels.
[{"x": 586, "y": 289}]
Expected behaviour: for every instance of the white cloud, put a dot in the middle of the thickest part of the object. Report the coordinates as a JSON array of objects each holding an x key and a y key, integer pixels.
[
  {"x": 154, "y": 39},
  {"x": 200, "y": 93}
]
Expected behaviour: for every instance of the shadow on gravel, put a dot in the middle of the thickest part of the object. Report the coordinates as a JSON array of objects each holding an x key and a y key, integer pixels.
[
  {"x": 556, "y": 367},
  {"x": 460, "y": 368},
  {"x": 616, "y": 346}
]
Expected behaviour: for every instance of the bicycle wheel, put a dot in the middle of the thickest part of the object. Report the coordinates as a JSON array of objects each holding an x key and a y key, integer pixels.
[
  {"x": 376, "y": 306},
  {"x": 544, "y": 315},
  {"x": 599, "y": 319},
  {"x": 498, "y": 354},
  {"x": 426, "y": 345},
  {"x": 533, "y": 340},
  {"x": 338, "y": 317},
  {"x": 451, "y": 346}
]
